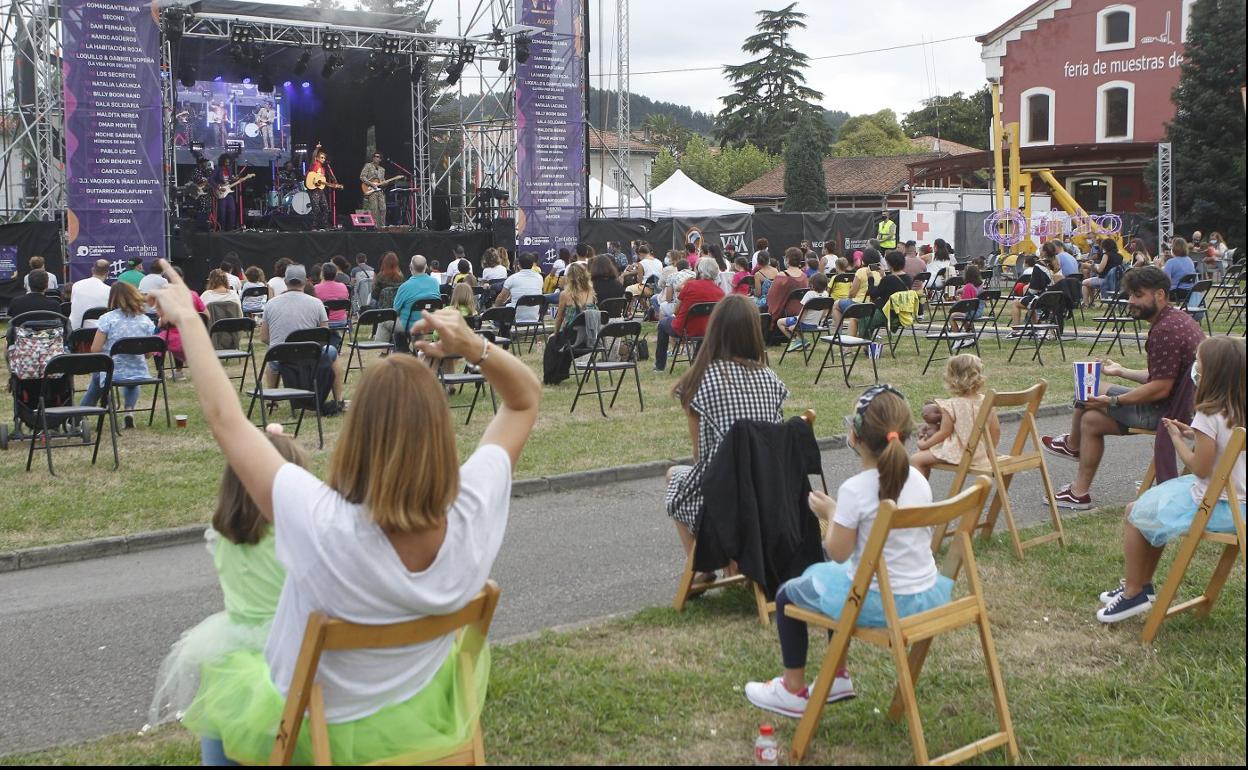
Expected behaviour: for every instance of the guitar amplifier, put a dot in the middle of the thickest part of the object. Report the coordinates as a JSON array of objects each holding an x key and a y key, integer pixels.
[{"x": 363, "y": 222}]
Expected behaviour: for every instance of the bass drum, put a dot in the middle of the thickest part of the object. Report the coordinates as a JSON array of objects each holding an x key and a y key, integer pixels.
[
  {"x": 301, "y": 202},
  {"x": 273, "y": 199},
  {"x": 251, "y": 130}
]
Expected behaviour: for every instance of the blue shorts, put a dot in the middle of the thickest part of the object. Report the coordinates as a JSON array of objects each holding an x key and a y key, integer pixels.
[
  {"x": 844, "y": 304},
  {"x": 791, "y": 321},
  {"x": 329, "y": 354}
]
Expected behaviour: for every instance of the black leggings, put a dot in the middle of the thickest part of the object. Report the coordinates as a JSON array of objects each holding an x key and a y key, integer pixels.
[{"x": 794, "y": 639}]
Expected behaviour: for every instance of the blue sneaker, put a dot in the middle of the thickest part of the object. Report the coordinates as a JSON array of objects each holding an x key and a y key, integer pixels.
[
  {"x": 1107, "y": 597},
  {"x": 1123, "y": 607}
]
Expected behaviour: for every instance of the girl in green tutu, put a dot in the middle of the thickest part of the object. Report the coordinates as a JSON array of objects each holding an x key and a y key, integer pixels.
[{"x": 390, "y": 536}]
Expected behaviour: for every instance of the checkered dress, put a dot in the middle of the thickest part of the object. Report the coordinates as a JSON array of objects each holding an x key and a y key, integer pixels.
[{"x": 728, "y": 392}]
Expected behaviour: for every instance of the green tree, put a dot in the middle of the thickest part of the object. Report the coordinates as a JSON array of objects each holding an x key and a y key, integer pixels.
[
  {"x": 664, "y": 166},
  {"x": 769, "y": 91},
  {"x": 876, "y": 134},
  {"x": 743, "y": 165},
  {"x": 702, "y": 166},
  {"x": 406, "y": 7},
  {"x": 1207, "y": 132},
  {"x": 958, "y": 118},
  {"x": 665, "y": 132},
  {"x": 804, "y": 185}
]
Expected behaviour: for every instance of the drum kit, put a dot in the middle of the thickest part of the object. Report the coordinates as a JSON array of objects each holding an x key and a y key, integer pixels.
[{"x": 287, "y": 201}]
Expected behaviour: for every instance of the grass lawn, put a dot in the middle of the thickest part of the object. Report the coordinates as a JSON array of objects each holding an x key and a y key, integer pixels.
[
  {"x": 169, "y": 476},
  {"x": 663, "y": 688}
]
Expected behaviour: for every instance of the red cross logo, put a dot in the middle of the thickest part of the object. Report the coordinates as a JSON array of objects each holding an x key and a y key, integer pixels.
[{"x": 919, "y": 227}]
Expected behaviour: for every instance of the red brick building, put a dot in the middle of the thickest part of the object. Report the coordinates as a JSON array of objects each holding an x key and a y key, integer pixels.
[{"x": 1090, "y": 82}]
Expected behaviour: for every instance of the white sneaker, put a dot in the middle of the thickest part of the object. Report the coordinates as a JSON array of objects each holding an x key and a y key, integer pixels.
[
  {"x": 774, "y": 696},
  {"x": 842, "y": 689}
]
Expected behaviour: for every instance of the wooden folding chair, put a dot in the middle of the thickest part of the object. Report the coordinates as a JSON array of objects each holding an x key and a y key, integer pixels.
[
  {"x": 918, "y": 630},
  {"x": 685, "y": 589},
  {"x": 1002, "y": 468},
  {"x": 325, "y": 634},
  {"x": 1234, "y": 544}
]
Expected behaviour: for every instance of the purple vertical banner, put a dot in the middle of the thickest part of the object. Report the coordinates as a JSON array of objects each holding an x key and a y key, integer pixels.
[
  {"x": 550, "y": 128},
  {"x": 113, "y": 133}
]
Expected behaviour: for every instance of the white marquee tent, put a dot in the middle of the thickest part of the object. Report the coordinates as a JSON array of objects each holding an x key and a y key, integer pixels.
[{"x": 678, "y": 196}]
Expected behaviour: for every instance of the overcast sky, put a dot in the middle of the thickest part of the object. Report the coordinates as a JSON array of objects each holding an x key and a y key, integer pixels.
[{"x": 683, "y": 35}]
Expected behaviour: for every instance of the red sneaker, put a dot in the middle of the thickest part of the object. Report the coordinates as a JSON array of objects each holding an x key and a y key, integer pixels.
[
  {"x": 1069, "y": 500},
  {"x": 1057, "y": 445}
]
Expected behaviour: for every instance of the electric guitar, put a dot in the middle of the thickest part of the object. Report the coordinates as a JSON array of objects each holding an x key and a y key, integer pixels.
[
  {"x": 224, "y": 190},
  {"x": 262, "y": 122},
  {"x": 315, "y": 180},
  {"x": 375, "y": 185}
]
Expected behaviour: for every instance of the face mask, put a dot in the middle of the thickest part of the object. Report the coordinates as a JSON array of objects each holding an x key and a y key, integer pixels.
[{"x": 1196, "y": 373}]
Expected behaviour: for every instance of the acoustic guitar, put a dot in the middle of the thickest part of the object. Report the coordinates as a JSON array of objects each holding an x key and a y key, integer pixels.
[
  {"x": 368, "y": 188},
  {"x": 223, "y": 190},
  {"x": 315, "y": 180}
]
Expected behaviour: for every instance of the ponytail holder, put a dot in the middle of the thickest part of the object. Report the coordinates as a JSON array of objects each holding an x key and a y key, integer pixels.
[{"x": 892, "y": 434}]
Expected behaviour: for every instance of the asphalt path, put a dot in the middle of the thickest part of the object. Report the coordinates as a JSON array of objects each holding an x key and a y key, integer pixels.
[{"x": 80, "y": 643}]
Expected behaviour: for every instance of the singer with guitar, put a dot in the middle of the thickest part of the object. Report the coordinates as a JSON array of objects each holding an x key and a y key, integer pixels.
[
  {"x": 319, "y": 180},
  {"x": 373, "y": 183},
  {"x": 264, "y": 118}
]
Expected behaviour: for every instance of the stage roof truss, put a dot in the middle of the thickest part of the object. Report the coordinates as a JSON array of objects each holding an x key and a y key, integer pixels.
[{"x": 307, "y": 34}]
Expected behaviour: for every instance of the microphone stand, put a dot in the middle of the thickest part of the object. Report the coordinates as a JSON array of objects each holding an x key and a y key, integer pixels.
[{"x": 333, "y": 196}]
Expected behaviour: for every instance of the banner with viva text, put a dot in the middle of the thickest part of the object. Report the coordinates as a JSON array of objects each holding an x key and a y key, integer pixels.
[
  {"x": 113, "y": 133},
  {"x": 550, "y": 128}
]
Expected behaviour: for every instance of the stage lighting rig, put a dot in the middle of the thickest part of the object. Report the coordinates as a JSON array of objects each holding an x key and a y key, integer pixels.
[
  {"x": 186, "y": 75},
  {"x": 331, "y": 41},
  {"x": 522, "y": 48},
  {"x": 503, "y": 64},
  {"x": 453, "y": 71},
  {"x": 467, "y": 53},
  {"x": 242, "y": 34},
  {"x": 301, "y": 64},
  {"x": 174, "y": 18},
  {"x": 496, "y": 35},
  {"x": 418, "y": 69},
  {"x": 390, "y": 46},
  {"x": 333, "y": 63}
]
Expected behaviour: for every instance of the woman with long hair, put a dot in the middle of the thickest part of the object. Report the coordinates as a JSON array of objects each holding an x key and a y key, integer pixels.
[
  {"x": 728, "y": 381},
  {"x": 577, "y": 295},
  {"x": 604, "y": 276},
  {"x": 391, "y": 535},
  {"x": 1105, "y": 270},
  {"x": 388, "y": 277}
]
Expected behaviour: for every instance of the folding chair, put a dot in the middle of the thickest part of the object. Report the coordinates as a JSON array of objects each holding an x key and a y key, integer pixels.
[
  {"x": 293, "y": 353},
  {"x": 530, "y": 330},
  {"x": 501, "y": 320},
  {"x": 810, "y": 337},
  {"x": 683, "y": 342},
  {"x": 80, "y": 340},
  {"x": 239, "y": 326},
  {"x": 1002, "y": 468},
  {"x": 902, "y": 311},
  {"x": 147, "y": 346},
  {"x": 68, "y": 365},
  {"x": 341, "y": 330},
  {"x": 93, "y": 314},
  {"x": 1228, "y": 289},
  {"x": 989, "y": 308},
  {"x": 1194, "y": 304},
  {"x": 614, "y": 307},
  {"x": 325, "y": 634},
  {"x": 1043, "y": 317},
  {"x": 860, "y": 312},
  {"x": 949, "y": 335},
  {"x": 610, "y": 337},
  {"x": 66, "y": 308},
  {"x": 1071, "y": 288},
  {"x": 686, "y": 589},
  {"x": 318, "y": 334},
  {"x": 1182, "y": 289},
  {"x": 1117, "y": 317},
  {"x": 917, "y": 630},
  {"x": 1234, "y": 544},
  {"x": 457, "y": 380},
  {"x": 373, "y": 319},
  {"x": 254, "y": 291},
  {"x": 937, "y": 299}
]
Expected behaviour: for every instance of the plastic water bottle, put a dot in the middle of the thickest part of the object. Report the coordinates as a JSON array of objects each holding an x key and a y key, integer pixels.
[{"x": 765, "y": 750}]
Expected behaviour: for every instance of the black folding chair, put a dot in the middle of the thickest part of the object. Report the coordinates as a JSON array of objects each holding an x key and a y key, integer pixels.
[
  {"x": 145, "y": 346},
  {"x": 1043, "y": 317},
  {"x": 340, "y": 331},
  {"x": 613, "y": 336},
  {"x": 318, "y": 334},
  {"x": 69, "y": 365},
  {"x": 254, "y": 291},
  {"x": 614, "y": 307},
  {"x": 894, "y": 327},
  {"x": 685, "y": 343},
  {"x": 246, "y": 354},
  {"x": 952, "y": 336},
  {"x": 1071, "y": 288},
  {"x": 372, "y": 319},
  {"x": 1194, "y": 303},
  {"x": 989, "y": 308},
  {"x": 530, "y": 330},
  {"x": 1181, "y": 290},
  {"x": 500, "y": 319},
  {"x": 938, "y": 299},
  {"x": 1115, "y": 320},
  {"x": 809, "y": 338},
  {"x": 839, "y": 340},
  {"x": 66, "y": 308},
  {"x": 293, "y": 354},
  {"x": 93, "y": 314},
  {"x": 81, "y": 340},
  {"x": 457, "y": 380}
]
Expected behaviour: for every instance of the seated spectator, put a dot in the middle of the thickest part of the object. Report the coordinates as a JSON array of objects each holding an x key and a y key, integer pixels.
[
  {"x": 233, "y": 269},
  {"x": 809, "y": 319},
  {"x": 291, "y": 310},
  {"x": 914, "y": 263},
  {"x": 523, "y": 283},
  {"x": 1069, "y": 265},
  {"x": 764, "y": 275},
  {"x": 637, "y": 275},
  {"x": 879, "y": 293},
  {"x": 277, "y": 284},
  {"x": 1106, "y": 269},
  {"x": 133, "y": 273},
  {"x": 729, "y": 380},
  {"x": 463, "y": 273},
  {"x": 219, "y": 290},
  {"x": 1040, "y": 278},
  {"x": 840, "y": 290},
  {"x": 576, "y": 297},
  {"x": 387, "y": 281},
  {"x": 362, "y": 269},
  {"x": 419, "y": 286},
  {"x": 89, "y": 293},
  {"x": 255, "y": 280},
  {"x": 153, "y": 280},
  {"x": 37, "y": 263},
  {"x": 125, "y": 318},
  {"x": 379, "y": 542},
  {"x": 605, "y": 279},
  {"x": 491, "y": 270},
  {"x": 663, "y": 304},
  {"x": 1172, "y": 341},
  {"x": 742, "y": 278},
  {"x": 331, "y": 288},
  {"x": 170, "y": 334},
  {"x": 37, "y": 280},
  {"x": 343, "y": 267},
  {"x": 1179, "y": 264},
  {"x": 863, "y": 277},
  {"x": 704, "y": 287}
]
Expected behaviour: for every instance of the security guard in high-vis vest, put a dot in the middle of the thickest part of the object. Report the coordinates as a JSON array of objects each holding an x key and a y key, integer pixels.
[{"x": 886, "y": 232}]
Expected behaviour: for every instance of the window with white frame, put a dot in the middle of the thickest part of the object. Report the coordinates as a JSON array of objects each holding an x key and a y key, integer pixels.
[
  {"x": 1036, "y": 115},
  {"x": 1187, "y": 18},
  {"x": 1115, "y": 111},
  {"x": 1115, "y": 28},
  {"x": 1092, "y": 193}
]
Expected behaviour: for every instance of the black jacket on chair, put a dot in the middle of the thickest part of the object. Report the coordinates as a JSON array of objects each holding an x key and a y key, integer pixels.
[{"x": 756, "y": 510}]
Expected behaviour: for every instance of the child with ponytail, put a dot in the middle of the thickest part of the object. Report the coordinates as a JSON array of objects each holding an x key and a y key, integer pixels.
[{"x": 881, "y": 425}]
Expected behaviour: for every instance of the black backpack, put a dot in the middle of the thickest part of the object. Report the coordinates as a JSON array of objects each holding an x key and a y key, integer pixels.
[{"x": 299, "y": 375}]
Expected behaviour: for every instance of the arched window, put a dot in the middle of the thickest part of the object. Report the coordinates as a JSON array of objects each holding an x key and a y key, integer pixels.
[
  {"x": 1115, "y": 28},
  {"x": 1115, "y": 111},
  {"x": 1036, "y": 114},
  {"x": 1090, "y": 192}
]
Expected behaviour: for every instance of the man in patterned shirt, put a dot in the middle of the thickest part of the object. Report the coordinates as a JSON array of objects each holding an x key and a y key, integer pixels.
[{"x": 1173, "y": 337}]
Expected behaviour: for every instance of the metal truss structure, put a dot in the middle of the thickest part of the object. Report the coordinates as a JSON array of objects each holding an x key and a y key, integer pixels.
[{"x": 1165, "y": 196}]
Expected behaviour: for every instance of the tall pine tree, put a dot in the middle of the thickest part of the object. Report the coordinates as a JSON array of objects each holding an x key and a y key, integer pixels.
[
  {"x": 804, "y": 185},
  {"x": 1207, "y": 132},
  {"x": 770, "y": 92}
]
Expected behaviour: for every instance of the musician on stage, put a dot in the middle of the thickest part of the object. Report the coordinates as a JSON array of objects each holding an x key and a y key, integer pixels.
[
  {"x": 202, "y": 179},
  {"x": 226, "y": 194},
  {"x": 288, "y": 178},
  {"x": 372, "y": 176},
  {"x": 264, "y": 120},
  {"x": 319, "y": 180},
  {"x": 217, "y": 118}
]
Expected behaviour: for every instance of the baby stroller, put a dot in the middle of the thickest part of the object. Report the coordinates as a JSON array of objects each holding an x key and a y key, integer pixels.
[{"x": 33, "y": 339}]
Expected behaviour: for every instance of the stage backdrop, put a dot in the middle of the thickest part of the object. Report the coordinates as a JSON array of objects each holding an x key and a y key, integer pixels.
[
  {"x": 550, "y": 129},
  {"x": 113, "y": 135}
]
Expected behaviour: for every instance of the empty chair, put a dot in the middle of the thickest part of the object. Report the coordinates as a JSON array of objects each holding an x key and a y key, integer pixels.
[
  {"x": 372, "y": 319},
  {"x": 68, "y": 365},
  {"x": 240, "y": 329},
  {"x": 295, "y": 354}
]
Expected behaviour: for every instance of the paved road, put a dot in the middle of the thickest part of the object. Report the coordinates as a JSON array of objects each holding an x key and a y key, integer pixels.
[{"x": 80, "y": 643}]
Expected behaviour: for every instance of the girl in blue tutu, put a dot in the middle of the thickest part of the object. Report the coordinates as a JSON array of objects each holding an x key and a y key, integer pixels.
[
  {"x": 242, "y": 546},
  {"x": 1166, "y": 511},
  {"x": 881, "y": 425}
]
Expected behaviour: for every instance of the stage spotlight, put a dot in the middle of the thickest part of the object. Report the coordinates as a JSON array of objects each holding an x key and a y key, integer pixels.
[
  {"x": 265, "y": 85},
  {"x": 218, "y": 78},
  {"x": 522, "y": 48},
  {"x": 246, "y": 81},
  {"x": 453, "y": 71},
  {"x": 496, "y": 35},
  {"x": 306, "y": 84},
  {"x": 418, "y": 69},
  {"x": 390, "y": 46},
  {"x": 287, "y": 84},
  {"x": 331, "y": 41},
  {"x": 467, "y": 53},
  {"x": 174, "y": 23},
  {"x": 186, "y": 75},
  {"x": 376, "y": 63},
  {"x": 242, "y": 34},
  {"x": 301, "y": 64},
  {"x": 332, "y": 63},
  {"x": 503, "y": 64}
]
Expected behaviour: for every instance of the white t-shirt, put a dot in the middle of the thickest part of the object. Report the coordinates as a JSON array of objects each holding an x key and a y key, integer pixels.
[
  {"x": 812, "y": 316},
  {"x": 152, "y": 282},
  {"x": 524, "y": 283},
  {"x": 236, "y": 285},
  {"x": 84, "y": 295},
  {"x": 52, "y": 284},
  {"x": 278, "y": 284},
  {"x": 339, "y": 562},
  {"x": 496, "y": 273},
  {"x": 650, "y": 266},
  {"x": 1216, "y": 427},
  {"x": 907, "y": 552}
]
